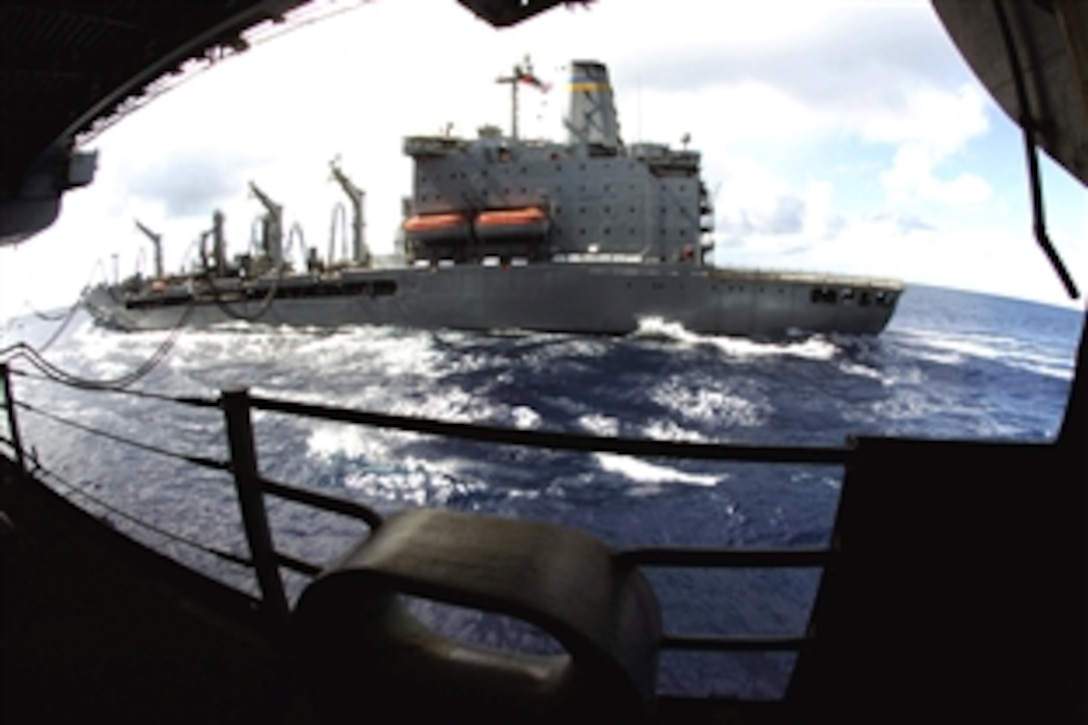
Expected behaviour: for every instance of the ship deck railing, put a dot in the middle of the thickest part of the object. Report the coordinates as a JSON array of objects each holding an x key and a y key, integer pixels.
[{"x": 267, "y": 563}]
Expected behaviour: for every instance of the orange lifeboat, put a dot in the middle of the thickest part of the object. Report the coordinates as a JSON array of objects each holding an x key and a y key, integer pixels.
[
  {"x": 437, "y": 227},
  {"x": 529, "y": 221}
]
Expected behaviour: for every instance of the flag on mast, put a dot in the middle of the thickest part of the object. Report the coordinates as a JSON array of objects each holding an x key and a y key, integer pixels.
[{"x": 528, "y": 78}]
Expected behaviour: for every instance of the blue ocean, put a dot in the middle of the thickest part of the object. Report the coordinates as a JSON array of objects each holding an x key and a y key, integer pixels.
[{"x": 952, "y": 364}]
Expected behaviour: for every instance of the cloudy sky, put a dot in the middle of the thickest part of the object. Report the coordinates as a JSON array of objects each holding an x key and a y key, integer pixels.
[{"x": 836, "y": 136}]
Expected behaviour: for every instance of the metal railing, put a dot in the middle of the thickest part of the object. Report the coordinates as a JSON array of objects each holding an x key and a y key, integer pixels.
[{"x": 251, "y": 488}]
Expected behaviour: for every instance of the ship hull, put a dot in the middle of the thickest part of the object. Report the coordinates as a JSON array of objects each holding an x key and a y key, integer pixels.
[{"x": 589, "y": 298}]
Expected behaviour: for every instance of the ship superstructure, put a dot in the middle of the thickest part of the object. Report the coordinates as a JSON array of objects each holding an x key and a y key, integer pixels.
[{"x": 502, "y": 196}]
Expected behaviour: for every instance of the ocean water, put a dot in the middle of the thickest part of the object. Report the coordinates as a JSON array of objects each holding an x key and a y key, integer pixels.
[{"x": 951, "y": 365}]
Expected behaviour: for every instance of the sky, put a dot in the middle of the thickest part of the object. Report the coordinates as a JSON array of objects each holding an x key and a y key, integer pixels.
[{"x": 845, "y": 137}]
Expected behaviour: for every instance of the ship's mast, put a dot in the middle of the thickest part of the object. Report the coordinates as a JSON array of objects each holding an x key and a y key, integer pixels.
[
  {"x": 514, "y": 79},
  {"x": 156, "y": 240},
  {"x": 522, "y": 73}
]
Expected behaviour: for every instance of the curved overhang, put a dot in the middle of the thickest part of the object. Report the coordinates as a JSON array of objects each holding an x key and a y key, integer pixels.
[
  {"x": 67, "y": 65},
  {"x": 1050, "y": 41}
]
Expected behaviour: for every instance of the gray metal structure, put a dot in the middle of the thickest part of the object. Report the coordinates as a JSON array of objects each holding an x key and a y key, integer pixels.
[{"x": 588, "y": 236}]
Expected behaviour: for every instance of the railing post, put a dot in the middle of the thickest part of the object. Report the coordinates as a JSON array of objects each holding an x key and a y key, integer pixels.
[
  {"x": 13, "y": 424},
  {"x": 243, "y": 457}
]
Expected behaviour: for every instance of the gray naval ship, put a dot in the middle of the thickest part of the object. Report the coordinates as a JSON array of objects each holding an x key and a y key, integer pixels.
[{"x": 504, "y": 233}]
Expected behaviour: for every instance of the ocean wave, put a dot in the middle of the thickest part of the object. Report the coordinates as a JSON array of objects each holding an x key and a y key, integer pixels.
[
  {"x": 327, "y": 442},
  {"x": 809, "y": 347},
  {"x": 525, "y": 417},
  {"x": 658, "y": 328},
  {"x": 712, "y": 401},
  {"x": 639, "y": 471},
  {"x": 955, "y": 348},
  {"x": 670, "y": 430},
  {"x": 412, "y": 481},
  {"x": 598, "y": 424}
]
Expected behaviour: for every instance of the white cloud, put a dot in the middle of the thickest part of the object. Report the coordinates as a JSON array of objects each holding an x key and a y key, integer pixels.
[
  {"x": 913, "y": 177},
  {"x": 938, "y": 125},
  {"x": 941, "y": 119},
  {"x": 820, "y": 219}
]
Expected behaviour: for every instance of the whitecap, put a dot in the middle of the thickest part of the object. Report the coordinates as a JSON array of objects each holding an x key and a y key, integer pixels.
[
  {"x": 658, "y": 328},
  {"x": 861, "y": 371},
  {"x": 525, "y": 417},
  {"x": 329, "y": 441},
  {"x": 710, "y": 402},
  {"x": 599, "y": 424},
  {"x": 669, "y": 430},
  {"x": 648, "y": 473},
  {"x": 810, "y": 348}
]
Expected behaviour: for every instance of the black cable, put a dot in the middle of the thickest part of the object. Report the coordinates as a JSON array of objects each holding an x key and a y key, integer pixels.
[
  {"x": 28, "y": 352},
  {"x": 203, "y": 461},
  {"x": 1027, "y": 125},
  {"x": 191, "y": 400},
  {"x": 34, "y": 356},
  {"x": 67, "y": 318},
  {"x": 45, "y": 317},
  {"x": 266, "y": 303}
]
